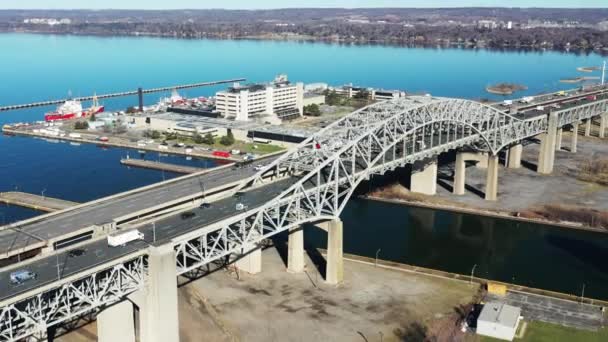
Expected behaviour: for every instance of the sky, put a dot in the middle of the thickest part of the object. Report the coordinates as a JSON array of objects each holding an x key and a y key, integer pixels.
[{"x": 259, "y": 4}]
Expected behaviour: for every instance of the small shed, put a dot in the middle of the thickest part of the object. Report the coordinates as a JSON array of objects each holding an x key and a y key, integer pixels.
[{"x": 498, "y": 320}]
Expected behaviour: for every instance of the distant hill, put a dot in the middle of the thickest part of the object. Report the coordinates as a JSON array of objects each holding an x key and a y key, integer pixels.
[{"x": 588, "y": 16}]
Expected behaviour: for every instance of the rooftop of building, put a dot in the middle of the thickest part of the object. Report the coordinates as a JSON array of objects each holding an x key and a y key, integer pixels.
[
  {"x": 280, "y": 81},
  {"x": 500, "y": 313}
]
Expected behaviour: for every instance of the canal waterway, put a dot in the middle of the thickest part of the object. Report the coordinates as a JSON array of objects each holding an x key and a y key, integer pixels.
[{"x": 40, "y": 67}]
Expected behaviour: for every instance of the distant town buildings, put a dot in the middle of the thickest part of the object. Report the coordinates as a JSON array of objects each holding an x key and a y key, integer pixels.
[
  {"x": 47, "y": 21},
  {"x": 487, "y": 24},
  {"x": 279, "y": 99}
]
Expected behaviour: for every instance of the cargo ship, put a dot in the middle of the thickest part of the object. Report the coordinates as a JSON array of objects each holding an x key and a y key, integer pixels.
[{"x": 71, "y": 109}]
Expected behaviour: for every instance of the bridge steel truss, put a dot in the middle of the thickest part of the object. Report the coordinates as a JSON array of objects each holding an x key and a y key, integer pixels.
[
  {"x": 325, "y": 169},
  {"x": 71, "y": 298}
]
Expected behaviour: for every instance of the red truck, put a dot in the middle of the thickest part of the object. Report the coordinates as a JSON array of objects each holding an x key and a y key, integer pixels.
[
  {"x": 222, "y": 154},
  {"x": 591, "y": 98}
]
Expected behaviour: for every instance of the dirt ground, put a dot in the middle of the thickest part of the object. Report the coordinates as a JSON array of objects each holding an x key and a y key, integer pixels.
[
  {"x": 373, "y": 304},
  {"x": 521, "y": 189}
]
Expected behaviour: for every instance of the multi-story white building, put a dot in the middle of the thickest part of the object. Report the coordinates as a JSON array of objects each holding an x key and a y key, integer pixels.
[{"x": 279, "y": 99}]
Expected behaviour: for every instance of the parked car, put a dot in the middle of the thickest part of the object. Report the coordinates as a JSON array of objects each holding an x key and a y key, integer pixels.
[
  {"x": 21, "y": 276},
  {"x": 205, "y": 205}
]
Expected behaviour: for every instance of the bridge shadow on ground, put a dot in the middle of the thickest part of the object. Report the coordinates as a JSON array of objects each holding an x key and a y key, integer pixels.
[{"x": 281, "y": 244}]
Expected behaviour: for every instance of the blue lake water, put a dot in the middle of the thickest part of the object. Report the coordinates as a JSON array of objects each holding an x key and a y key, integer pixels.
[{"x": 41, "y": 67}]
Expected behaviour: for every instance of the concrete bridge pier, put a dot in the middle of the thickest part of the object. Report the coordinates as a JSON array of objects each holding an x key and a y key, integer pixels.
[
  {"x": 116, "y": 323},
  {"x": 295, "y": 250},
  {"x": 492, "y": 178},
  {"x": 558, "y": 139},
  {"x": 546, "y": 156},
  {"x": 158, "y": 313},
  {"x": 574, "y": 141},
  {"x": 424, "y": 177},
  {"x": 460, "y": 169},
  {"x": 251, "y": 260},
  {"x": 603, "y": 125},
  {"x": 588, "y": 127},
  {"x": 335, "y": 263},
  {"x": 514, "y": 160}
]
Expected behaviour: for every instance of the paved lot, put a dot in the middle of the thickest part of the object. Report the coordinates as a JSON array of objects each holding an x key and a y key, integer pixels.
[
  {"x": 551, "y": 310},
  {"x": 523, "y": 188}
]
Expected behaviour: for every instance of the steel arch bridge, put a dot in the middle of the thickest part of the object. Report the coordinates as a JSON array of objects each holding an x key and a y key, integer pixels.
[{"x": 319, "y": 177}]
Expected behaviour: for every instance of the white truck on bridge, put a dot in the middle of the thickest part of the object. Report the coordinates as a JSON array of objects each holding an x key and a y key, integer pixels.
[{"x": 122, "y": 238}]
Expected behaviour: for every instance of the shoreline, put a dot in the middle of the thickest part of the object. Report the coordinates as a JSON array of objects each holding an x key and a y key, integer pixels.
[
  {"x": 15, "y": 132},
  {"x": 484, "y": 213},
  {"x": 350, "y": 42},
  {"x": 402, "y": 267}
]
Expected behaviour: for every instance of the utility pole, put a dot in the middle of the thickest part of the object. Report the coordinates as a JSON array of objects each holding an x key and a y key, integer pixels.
[
  {"x": 603, "y": 72},
  {"x": 583, "y": 294}
]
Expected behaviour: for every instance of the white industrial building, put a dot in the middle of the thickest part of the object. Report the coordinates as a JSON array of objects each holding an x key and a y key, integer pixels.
[
  {"x": 498, "y": 320},
  {"x": 374, "y": 94},
  {"x": 279, "y": 99}
]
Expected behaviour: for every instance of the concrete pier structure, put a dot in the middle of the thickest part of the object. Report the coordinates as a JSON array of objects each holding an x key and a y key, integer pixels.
[
  {"x": 492, "y": 178},
  {"x": 514, "y": 160},
  {"x": 295, "y": 250},
  {"x": 158, "y": 315},
  {"x": 115, "y": 324},
  {"x": 603, "y": 125},
  {"x": 251, "y": 261},
  {"x": 588, "y": 127},
  {"x": 558, "y": 139},
  {"x": 547, "y": 147},
  {"x": 424, "y": 177},
  {"x": 335, "y": 262},
  {"x": 574, "y": 141},
  {"x": 460, "y": 168}
]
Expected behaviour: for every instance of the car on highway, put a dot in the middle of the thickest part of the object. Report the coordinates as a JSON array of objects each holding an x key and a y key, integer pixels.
[
  {"x": 74, "y": 253},
  {"x": 21, "y": 276},
  {"x": 205, "y": 205},
  {"x": 259, "y": 167},
  {"x": 187, "y": 215}
]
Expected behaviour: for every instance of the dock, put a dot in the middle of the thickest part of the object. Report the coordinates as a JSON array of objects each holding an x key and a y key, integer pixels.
[
  {"x": 37, "y": 202},
  {"x": 155, "y": 165}
]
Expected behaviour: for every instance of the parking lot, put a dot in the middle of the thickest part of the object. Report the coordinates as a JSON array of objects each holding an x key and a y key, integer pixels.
[{"x": 553, "y": 310}]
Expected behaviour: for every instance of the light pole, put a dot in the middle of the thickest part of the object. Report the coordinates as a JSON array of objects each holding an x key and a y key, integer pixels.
[
  {"x": 472, "y": 271},
  {"x": 583, "y": 294},
  {"x": 377, "y": 252},
  {"x": 58, "y": 270},
  {"x": 42, "y": 193},
  {"x": 154, "y": 232}
]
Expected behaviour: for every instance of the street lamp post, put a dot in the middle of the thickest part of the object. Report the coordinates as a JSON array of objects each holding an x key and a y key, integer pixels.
[
  {"x": 154, "y": 232},
  {"x": 472, "y": 272},
  {"x": 42, "y": 193},
  {"x": 377, "y": 252}
]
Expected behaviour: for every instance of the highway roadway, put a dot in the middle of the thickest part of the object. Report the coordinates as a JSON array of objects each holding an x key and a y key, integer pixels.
[
  {"x": 50, "y": 269},
  {"x": 104, "y": 211}
]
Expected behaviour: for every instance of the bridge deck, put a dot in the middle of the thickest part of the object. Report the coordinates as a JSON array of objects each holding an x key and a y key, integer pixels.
[
  {"x": 50, "y": 269},
  {"x": 30, "y": 234}
]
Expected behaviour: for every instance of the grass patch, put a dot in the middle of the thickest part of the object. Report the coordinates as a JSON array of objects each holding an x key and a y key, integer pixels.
[
  {"x": 594, "y": 171},
  {"x": 546, "y": 332},
  {"x": 556, "y": 212},
  {"x": 238, "y": 145}
]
